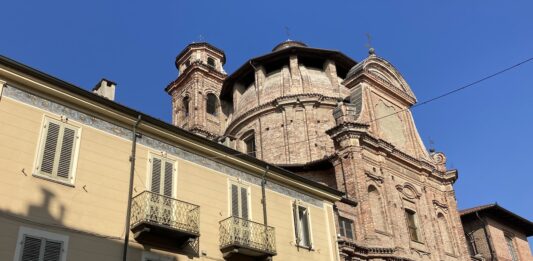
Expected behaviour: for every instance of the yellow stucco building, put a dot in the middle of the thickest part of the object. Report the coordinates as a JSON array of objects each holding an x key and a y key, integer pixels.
[{"x": 65, "y": 166}]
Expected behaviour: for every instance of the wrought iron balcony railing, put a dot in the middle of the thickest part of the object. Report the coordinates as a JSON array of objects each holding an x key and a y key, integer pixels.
[
  {"x": 155, "y": 209},
  {"x": 245, "y": 234}
]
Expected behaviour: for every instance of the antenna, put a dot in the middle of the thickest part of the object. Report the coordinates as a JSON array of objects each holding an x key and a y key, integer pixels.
[{"x": 288, "y": 33}]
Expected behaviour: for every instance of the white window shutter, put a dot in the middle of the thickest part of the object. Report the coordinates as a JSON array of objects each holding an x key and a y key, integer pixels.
[
  {"x": 169, "y": 173},
  {"x": 31, "y": 248},
  {"x": 244, "y": 203},
  {"x": 67, "y": 151},
  {"x": 156, "y": 175},
  {"x": 234, "y": 200},
  {"x": 52, "y": 251},
  {"x": 50, "y": 147},
  {"x": 296, "y": 221}
]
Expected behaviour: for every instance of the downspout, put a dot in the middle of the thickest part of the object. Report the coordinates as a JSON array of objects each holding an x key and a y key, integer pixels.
[
  {"x": 489, "y": 243},
  {"x": 132, "y": 172},
  {"x": 263, "y": 185}
]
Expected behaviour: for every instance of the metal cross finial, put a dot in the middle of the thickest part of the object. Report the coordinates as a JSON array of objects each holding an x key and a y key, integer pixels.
[
  {"x": 288, "y": 32},
  {"x": 431, "y": 145},
  {"x": 200, "y": 38},
  {"x": 369, "y": 44}
]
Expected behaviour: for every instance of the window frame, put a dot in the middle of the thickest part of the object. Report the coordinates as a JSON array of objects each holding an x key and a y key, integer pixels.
[
  {"x": 163, "y": 158},
  {"x": 209, "y": 58},
  {"x": 342, "y": 229},
  {"x": 215, "y": 102},
  {"x": 250, "y": 136},
  {"x": 410, "y": 212},
  {"x": 31, "y": 232},
  {"x": 186, "y": 105},
  {"x": 39, "y": 153},
  {"x": 511, "y": 246},
  {"x": 240, "y": 185},
  {"x": 296, "y": 205}
]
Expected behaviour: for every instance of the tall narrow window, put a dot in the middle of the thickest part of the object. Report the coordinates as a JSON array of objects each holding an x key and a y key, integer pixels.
[
  {"x": 239, "y": 201},
  {"x": 445, "y": 233},
  {"x": 511, "y": 248},
  {"x": 162, "y": 176},
  {"x": 301, "y": 226},
  {"x": 376, "y": 207},
  {"x": 186, "y": 101},
  {"x": 250, "y": 145},
  {"x": 59, "y": 144},
  {"x": 346, "y": 227},
  {"x": 210, "y": 61},
  {"x": 211, "y": 104},
  {"x": 410, "y": 216}
]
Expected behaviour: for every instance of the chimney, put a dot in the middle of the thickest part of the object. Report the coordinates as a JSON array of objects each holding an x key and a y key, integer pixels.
[{"x": 106, "y": 89}]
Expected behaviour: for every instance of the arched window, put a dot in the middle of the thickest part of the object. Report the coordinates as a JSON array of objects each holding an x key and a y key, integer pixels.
[
  {"x": 376, "y": 207},
  {"x": 210, "y": 61},
  {"x": 186, "y": 101},
  {"x": 211, "y": 104},
  {"x": 445, "y": 233}
]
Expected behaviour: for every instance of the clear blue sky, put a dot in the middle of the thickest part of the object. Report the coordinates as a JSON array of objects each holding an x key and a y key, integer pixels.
[{"x": 486, "y": 131}]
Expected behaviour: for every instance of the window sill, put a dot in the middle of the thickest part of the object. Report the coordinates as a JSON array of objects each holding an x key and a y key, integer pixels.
[
  {"x": 310, "y": 248},
  {"x": 65, "y": 183}
]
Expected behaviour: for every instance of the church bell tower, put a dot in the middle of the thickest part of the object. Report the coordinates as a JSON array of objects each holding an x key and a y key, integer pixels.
[{"x": 195, "y": 93}]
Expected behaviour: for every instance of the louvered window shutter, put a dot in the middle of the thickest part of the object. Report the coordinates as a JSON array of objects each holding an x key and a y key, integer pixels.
[
  {"x": 50, "y": 147},
  {"x": 40, "y": 249},
  {"x": 31, "y": 249},
  {"x": 52, "y": 251},
  {"x": 156, "y": 175},
  {"x": 296, "y": 222},
  {"x": 169, "y": 171},
  {"x": 67, "y": 150},
  {"x": 234, "y": 200},
  {"x": 244, "y": 203}
]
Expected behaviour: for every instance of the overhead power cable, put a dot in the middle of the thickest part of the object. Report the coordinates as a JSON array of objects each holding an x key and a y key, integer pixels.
[{"x": 400, "y": 111}]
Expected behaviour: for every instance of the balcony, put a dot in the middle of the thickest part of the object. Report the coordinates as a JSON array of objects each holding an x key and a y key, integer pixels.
[
  {"x": 164, "y": 222},
  {"x": 244, "y": 237}
]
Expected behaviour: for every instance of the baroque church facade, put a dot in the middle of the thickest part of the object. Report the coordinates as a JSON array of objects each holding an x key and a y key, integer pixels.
[{"x": 346, "y": 124}]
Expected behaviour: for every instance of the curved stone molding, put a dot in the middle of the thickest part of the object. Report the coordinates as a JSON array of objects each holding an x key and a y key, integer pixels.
[{"x": 409, "y": 191}]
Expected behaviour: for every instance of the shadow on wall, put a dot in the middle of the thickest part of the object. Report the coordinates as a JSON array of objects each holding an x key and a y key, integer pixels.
[{"x": 41, "y": 217}]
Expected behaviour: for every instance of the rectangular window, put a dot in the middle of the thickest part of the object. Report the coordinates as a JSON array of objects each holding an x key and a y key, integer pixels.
[
  {"x": 36, "y": 245},
  {"x": 302, "y": 226},
  {"x": 511, "y": 248},
  {"x": 57, "y": 151},
  {"x": 410, "y": 215},
  {"x": 250, "y": 145},
  {"x": 346, "y": 228},
  {"x": 239, "y": 201},
  {"x": 162, "y": 176}
]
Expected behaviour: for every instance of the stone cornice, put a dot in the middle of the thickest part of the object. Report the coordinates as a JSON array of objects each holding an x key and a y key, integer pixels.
[
  {"x": 358, "y": 131},
  {"x": 278, "y": 103},
  {"x": 353, "y": 249},
  {"x": 196, "y": 66},
  {"x": 368, "y": 77}
]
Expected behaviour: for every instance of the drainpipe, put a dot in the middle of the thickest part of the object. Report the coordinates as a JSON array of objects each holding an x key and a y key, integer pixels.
[
  {"x": 132, "y": 172},
  {"x": 263, "y": 185},
  {"x": 492, "y": 253}
]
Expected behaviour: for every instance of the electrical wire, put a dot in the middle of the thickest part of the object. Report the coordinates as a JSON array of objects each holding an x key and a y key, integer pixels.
[{"x": 396, "y": 112}]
